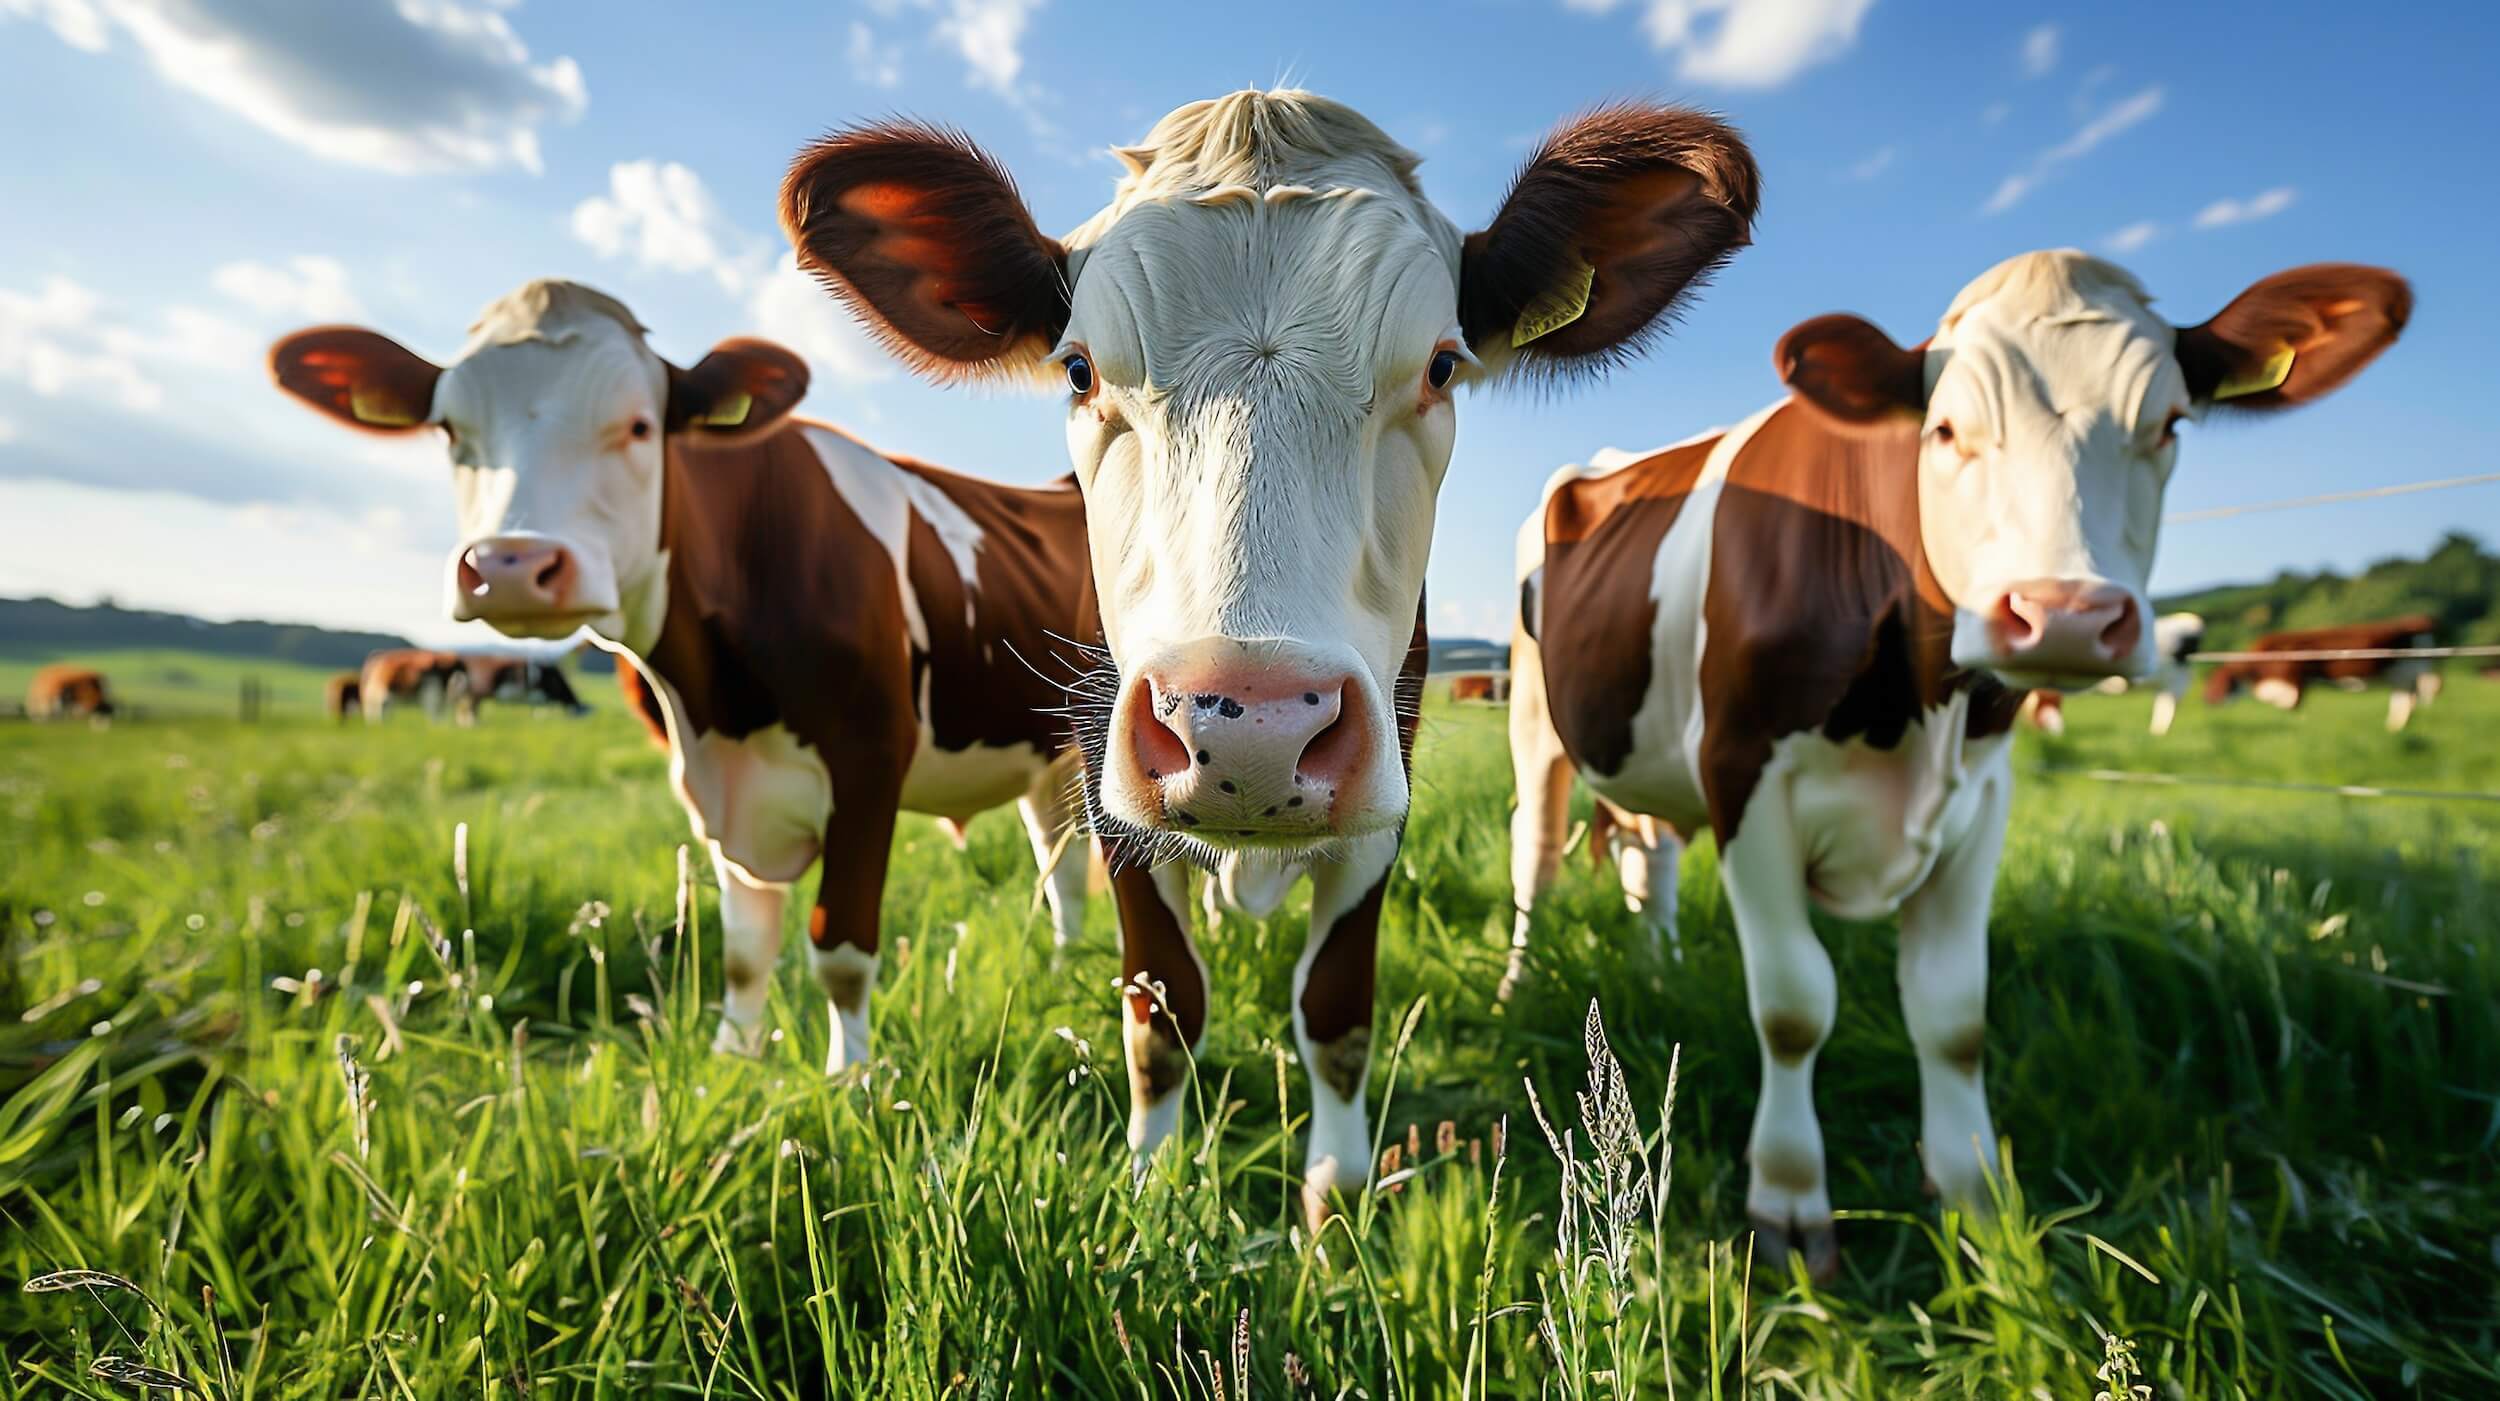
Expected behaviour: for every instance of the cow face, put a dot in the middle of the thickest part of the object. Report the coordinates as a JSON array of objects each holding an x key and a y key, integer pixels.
[
  {"x": 1259, "y": 340},
  {"x": 556, "y": 417},
  {"x": 2048, "y": 406}
]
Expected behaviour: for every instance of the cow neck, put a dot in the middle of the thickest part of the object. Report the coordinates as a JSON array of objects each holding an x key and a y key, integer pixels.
[
  {"x": 721, "y": 510},
  {"x": 1824, "y": 614}
]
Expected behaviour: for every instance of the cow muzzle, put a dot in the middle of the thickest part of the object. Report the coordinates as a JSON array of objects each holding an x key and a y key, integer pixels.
[
  {"x": 527, "y": 586},
  {"x": 1252, "y": 744},
  {"x": 2059, "y": 632}
]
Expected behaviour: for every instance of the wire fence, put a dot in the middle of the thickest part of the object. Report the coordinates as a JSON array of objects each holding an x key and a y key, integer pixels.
[
  {"x": 2347, "y": 654},
  {"x": 2293, "y": 503},
  {"x": 2338, "y": 790}
]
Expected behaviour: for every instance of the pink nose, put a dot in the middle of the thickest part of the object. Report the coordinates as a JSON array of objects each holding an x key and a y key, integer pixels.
[
  {"x": 503, "y": 578},
  {"x": 2059, "y": 625},
  {"x": 1248, "y": 753}
]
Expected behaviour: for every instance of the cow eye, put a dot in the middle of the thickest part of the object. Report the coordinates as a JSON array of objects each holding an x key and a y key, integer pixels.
[
  {"x": 2170, "y": 427},
  {"x": 1942, "y": 432},
  {"x": 1080, "y": 374},
  {"x": 1443, "y": 369},
  {"x": 641, "y": 429}
]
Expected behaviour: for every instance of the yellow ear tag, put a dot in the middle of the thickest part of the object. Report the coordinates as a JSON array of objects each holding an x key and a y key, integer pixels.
[
  {"x": 2269, "y": 375},
  {"x": 731, "y": 412},
  {"x": 1558, "y": 308},
  {"x": 377, "y": 410}
]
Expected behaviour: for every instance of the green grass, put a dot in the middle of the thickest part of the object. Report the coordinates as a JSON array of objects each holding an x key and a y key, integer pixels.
[{"x": 2245, "y": 1050}]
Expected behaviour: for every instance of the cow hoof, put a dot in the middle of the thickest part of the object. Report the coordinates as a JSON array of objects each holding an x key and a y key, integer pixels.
[
  {"x": 735, "y": 1040},
  {"x": 1319, "y": 1207},
  {"x": 1818, "y": 1243}
]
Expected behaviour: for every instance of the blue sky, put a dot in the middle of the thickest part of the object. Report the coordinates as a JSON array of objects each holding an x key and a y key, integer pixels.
[{"x": 193, "y": 177}]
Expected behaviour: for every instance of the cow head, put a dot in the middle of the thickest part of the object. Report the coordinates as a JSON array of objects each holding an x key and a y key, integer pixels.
[
  {"x": 557, "y": 417},
  {"x": 2048, "y": 406},
  {"x": 1259, "y": 339}
]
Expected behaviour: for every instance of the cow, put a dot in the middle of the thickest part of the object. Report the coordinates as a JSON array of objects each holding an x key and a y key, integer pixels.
[
  {"x": 2176, "y": 637},
  {"x": 2280, "y": 682},
  {"x": 1258, "y": 340},
  {"x": 512, "y": 681},
  {"x": 343, "y": 695},
  {"x": 65, "y": 691},
  {"x": 396, "y": 675},
  {"x": 1810, "y": 632},
  {"x": 826, "y": 635},
  {"x": 1482, "y": 687}
]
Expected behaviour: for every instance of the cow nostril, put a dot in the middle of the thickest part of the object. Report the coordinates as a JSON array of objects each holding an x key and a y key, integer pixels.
[
  {"x": 2124, "y": 631},
  {"x": 1331, "y": 754},
  {"x": 2016, "y": 624},
  {"x": 472, "y": 583}
]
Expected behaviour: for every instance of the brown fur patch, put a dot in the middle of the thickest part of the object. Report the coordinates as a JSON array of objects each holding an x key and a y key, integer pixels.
[
  {"x": 2379, "y": 636},
  {"x": 847, "y": 986},
  {"x": 1964, "y": 1051},
  {"x": 1791, "y": 1038}
]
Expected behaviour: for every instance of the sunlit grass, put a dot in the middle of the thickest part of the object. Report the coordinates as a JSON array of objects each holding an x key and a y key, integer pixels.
[{"x": 2245, "y": 1052}]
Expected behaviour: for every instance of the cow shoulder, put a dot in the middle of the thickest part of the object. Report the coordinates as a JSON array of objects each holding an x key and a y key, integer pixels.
[{"x": 1598, "y": 615}]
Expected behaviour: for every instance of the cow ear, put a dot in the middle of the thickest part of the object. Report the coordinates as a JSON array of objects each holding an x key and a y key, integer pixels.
[
  {"x": 925, "y": 239},
  {"x": 359, "y": 377},
  {"x": 742, "y": 389},
  {"x": 1617, "y": 215},
  {"x": 2295, "y": 336},
  {"x": 1847, "y": 370}
]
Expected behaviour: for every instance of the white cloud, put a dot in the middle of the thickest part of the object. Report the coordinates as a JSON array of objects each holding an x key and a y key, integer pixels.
[
  {"x": 1996, "y": 112},
  {"x": 50, "y": 341},
  {"x": 2132, "y": 237},
  {"x": 660, "y": 216},
  {"x": 2120, "y": 116},
  {"x": 397, "y": 85},
  {"x": 308, "y": 287},
  {"x": 1745, "y": 43},
  {"x": 2040, "y": 51},
  {"x": 2224, "y": 212},
  {"x": 877, "y": 65},
  {"x": 989, "y": 35},
  {"x": 8, "y": 431},
  {"x": 1875, "y": 164}
]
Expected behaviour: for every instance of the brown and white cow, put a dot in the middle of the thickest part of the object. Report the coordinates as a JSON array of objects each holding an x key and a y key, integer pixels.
[
  {"x": 2280, "y": 682},
  {"x": 343, "y": 695},
  {"x": 2176, "y": 637},
  {"x": 65, "y": 691},
  {"x": 1811, "y": 632},
  {"x": 511, "y": 680},
  {"x": 1259, "y": 338},
  {"x": 1481, "y": 687},
  {"x": 830, "y": 634},
  {"x": 400, "y": 675}
]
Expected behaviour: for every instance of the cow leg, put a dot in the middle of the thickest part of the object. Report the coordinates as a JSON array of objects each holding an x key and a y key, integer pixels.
[
  {"x": 1332, "y": 1019},
  {"x": 1944, "y": 1001},
  {"x": 1647, "y": 862},
  {"x": 2399, "y": 708},
  {"x": 2165, "y": 710},
  {"x": 1163, "y": 984},
  {"x": 1541, "y": 773},
  {"x": 842, "y": 930},
  {"x": 2427, "y": 689},
  {"x": 1791, "y": 990},
  {"x": 1050, "y": 811},
  {"x": 750, "y": 946}
]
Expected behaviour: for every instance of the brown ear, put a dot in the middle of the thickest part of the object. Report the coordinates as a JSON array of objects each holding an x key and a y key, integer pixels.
[
  {"x": 2295, "y": 336},
  {"x": 1615, "y": 217},
  {"x": 361, "y": 378},
  {"x": 924, "y": 237},
  {"x": 1850, "y": 372},
  {"x": 743, "y": 388}
]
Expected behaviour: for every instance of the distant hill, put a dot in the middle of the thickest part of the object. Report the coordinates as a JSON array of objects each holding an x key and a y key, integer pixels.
[
  {"x": 2458, "y": 583},
  {"x": 1468, "y": 654},
  {"x": 31, "y": 627}
]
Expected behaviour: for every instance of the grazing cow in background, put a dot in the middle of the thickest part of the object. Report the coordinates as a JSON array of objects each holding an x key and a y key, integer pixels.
[
  {"x": 2176, "y": 637},
  {"x": 1483, "y": 687},
  {"x": 64, "y": 691},
  {"x": 2280, "y": 682},
  {"x": 343, "y": 696},
  {"x": 1259, "y": 339},
  {"x": 513, "y": 681},
  {"x": 1811, "y": 632},
  {"x": 401, "y": 674},
  {"x": 825, "y": 634}
]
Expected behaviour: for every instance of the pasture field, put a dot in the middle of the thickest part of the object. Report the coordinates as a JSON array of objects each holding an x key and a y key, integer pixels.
[
  {"x": 354, "y": 1116},
  {"x": 172, "y": 682}
]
